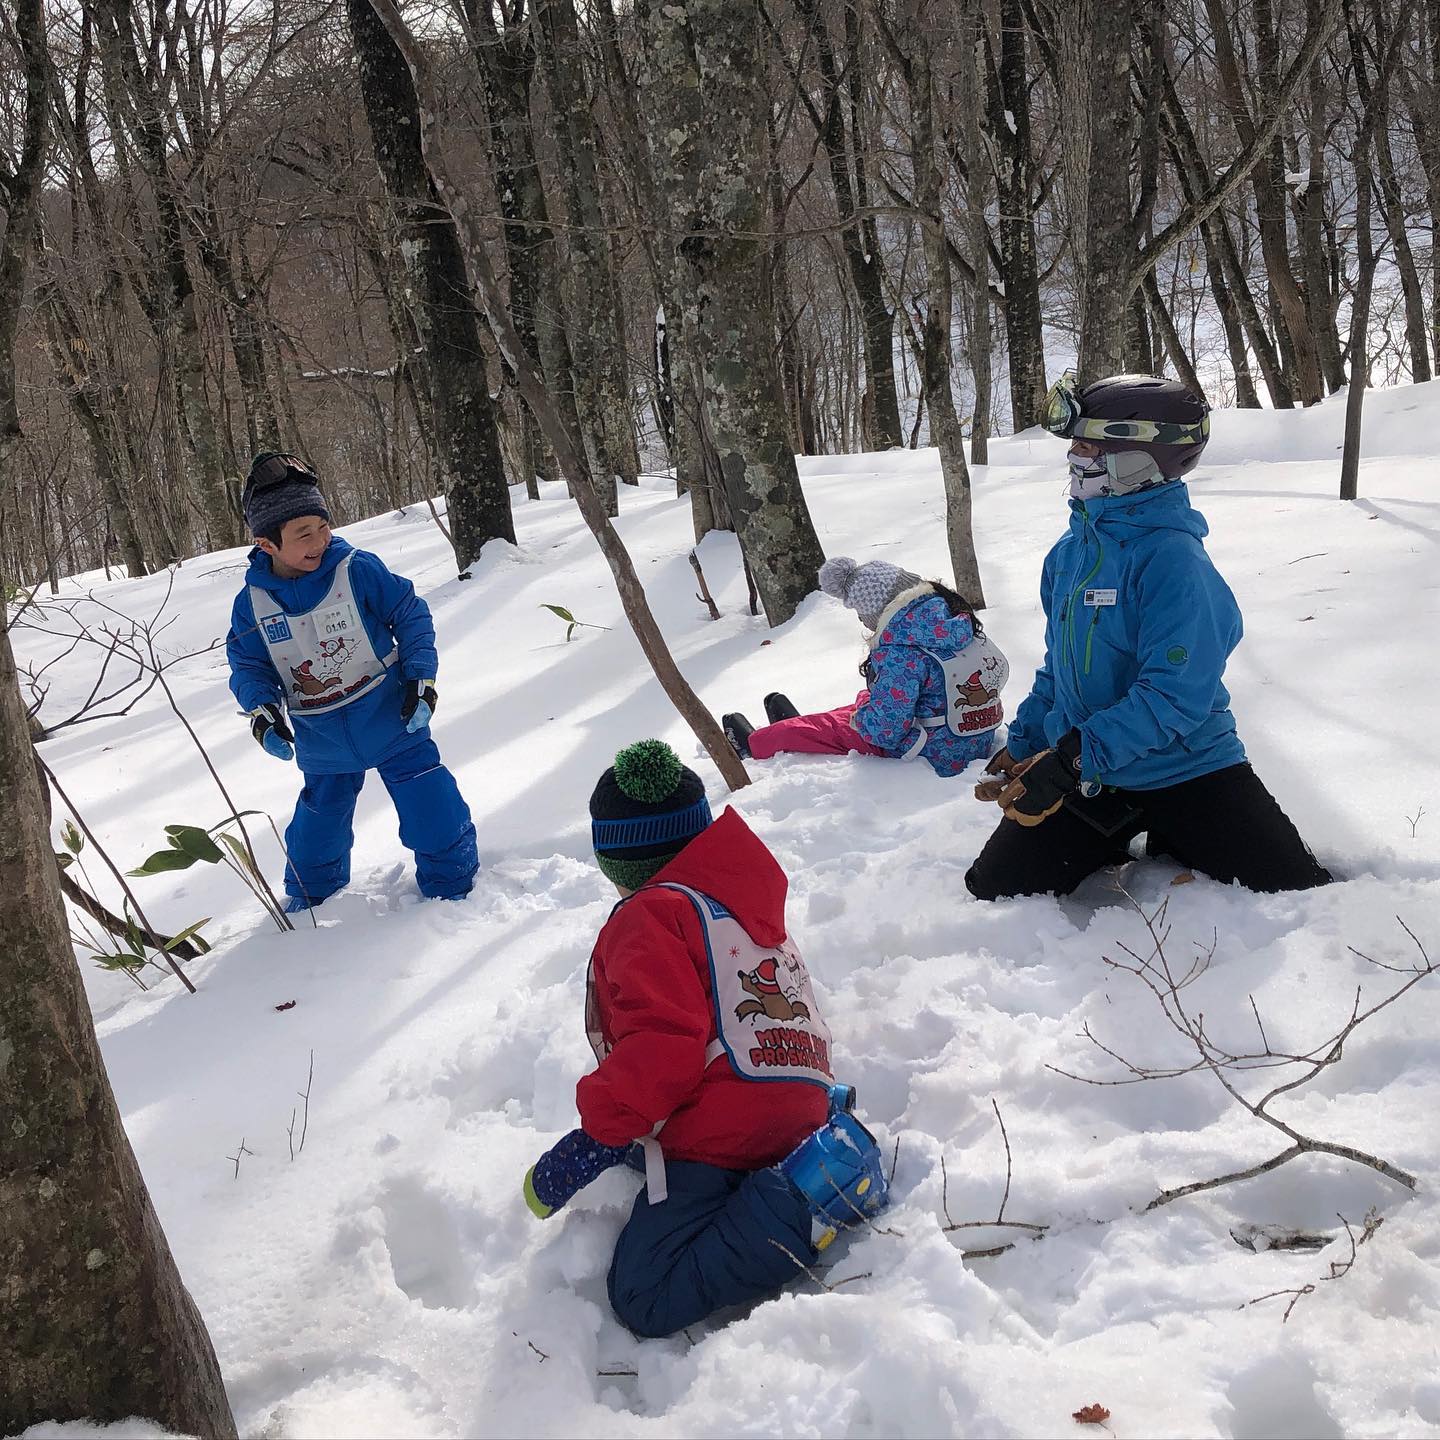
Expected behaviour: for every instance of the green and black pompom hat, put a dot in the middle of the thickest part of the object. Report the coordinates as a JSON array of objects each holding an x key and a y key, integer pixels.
[{"x": 646, "y": 808}]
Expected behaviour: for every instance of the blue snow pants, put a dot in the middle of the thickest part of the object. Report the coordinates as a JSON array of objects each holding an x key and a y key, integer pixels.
[
  {"x": 434, "y": 823},
  {"x": 716, "y": 1240}
]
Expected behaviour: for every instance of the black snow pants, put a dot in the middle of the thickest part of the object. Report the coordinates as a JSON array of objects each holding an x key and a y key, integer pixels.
[{"x": 1226, "y": 825}]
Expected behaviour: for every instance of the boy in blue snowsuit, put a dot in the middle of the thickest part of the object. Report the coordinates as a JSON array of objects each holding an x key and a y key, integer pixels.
[
  {"x": 1127, "y": 728},
  {"x": 327, "y": 634}
]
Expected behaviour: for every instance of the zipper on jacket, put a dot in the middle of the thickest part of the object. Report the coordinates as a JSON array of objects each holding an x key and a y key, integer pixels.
[{"x": 1070, "y": 604}]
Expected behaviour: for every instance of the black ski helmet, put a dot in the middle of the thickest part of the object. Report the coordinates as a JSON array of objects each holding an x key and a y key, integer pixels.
[{"x": 1166, "y": 419}]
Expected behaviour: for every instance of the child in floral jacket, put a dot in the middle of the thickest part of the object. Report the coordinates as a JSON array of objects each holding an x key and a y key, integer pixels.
[
  {"x": 713, "y": 1069},
  {"x": 933, "y": 678}
]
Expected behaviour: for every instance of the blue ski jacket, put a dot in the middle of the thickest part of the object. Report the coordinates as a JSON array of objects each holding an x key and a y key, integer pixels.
[
  {"x": 1138, "y": 627},
  {"x": 368, "y": 731}
]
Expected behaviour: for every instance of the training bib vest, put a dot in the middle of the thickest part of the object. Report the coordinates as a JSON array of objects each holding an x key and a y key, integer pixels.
[
  {"x": 766, "y": 1020},
  {"x": 323, "y": 656},
  {"x": 974, "y": 679}
]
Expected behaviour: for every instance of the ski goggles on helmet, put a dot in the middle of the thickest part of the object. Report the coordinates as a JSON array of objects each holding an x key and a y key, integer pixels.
[
  {"x": 1064, "y": 417},
  {"x": 275, "y": 469}
]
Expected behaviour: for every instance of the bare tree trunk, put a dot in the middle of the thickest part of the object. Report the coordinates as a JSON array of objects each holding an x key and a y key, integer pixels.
[
  {"x": 506, "y": 60},
  {"x": 569, "y": 451},
  {"x": 1268, "y": 183},
  {"x": 94, "y": 407},
  {"x": 859, "y": 238},
  {"x": 178, "y": 309},
  {"x": 972, "y": 101},
  {"x": 1094, "y": 49},
  {"x": 1009, "y": 101},
  {"x": 468, "y": 440},
  {"x": 709, "y": 142},
  {"x": 96, "y": 1324},
  {"x": 597, "y": 323},
  {"x": 1393, "y": 209},
  {"x": 944, "y": 422}
]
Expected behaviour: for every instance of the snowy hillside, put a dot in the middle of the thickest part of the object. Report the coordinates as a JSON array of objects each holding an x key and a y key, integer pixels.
[{"x": 388, "y": 1280}]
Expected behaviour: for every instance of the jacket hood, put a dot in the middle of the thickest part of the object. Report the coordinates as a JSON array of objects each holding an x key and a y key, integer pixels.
[
  {"x": 1166, "y": 507},
  {"x": 304, "y": 590},
  {"x": 921, "y": 617},
  {"x": 730, "y": 863}
]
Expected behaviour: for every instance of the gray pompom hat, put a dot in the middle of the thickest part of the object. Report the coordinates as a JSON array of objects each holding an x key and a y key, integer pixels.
[{"x": 867, "y": 589}]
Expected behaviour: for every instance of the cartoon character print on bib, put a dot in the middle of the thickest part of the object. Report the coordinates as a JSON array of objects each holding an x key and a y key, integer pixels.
[
  {"x": 325, "y": 653},
  {"x": 766, "y": 1018},
  {"x": 974, "y": 678}
]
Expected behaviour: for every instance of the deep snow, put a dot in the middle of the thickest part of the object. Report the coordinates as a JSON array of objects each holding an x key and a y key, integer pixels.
[{"x": 389, "y": 1280}]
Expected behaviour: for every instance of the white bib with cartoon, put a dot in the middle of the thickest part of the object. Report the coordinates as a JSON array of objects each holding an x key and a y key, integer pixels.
[
  {"x": 766, "y": 1019},
  {"x": 323, "y": 656},
  {"x": 974, "y": 679}
]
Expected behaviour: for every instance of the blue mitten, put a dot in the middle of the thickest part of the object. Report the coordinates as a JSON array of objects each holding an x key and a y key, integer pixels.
[{"x": 567, "y": 1167}]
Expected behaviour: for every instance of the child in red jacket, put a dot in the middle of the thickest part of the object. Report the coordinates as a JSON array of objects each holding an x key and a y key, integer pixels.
[{"x": 712, "y": 1055}]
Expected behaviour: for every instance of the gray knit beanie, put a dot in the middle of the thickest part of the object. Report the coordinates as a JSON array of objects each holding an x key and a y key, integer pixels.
[
  {"x": 280, "y": 488},
  {"x": 867, "y": 589}
]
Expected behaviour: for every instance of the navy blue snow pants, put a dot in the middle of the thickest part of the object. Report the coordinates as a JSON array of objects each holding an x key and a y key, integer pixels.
[
  {"x": 434, "y": 823},
  {"x": 720, "y": 1238}
]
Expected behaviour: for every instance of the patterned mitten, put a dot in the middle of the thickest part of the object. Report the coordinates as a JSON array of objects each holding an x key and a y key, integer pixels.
[{"x": 567, "y": 1167}]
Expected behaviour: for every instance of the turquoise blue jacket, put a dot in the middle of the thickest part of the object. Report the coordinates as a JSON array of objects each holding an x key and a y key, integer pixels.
[{"x": 1138, "y": 627}]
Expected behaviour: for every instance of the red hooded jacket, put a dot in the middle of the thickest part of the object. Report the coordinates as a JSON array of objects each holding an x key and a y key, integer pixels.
[{"x": 652, "y": 994}]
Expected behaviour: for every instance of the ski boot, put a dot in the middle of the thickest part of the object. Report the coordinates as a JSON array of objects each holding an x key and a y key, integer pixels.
[
  {"x": 838, "y": 1173},
  {"x": 737, "y": 731},
  {"x": 778, "y": 707}
]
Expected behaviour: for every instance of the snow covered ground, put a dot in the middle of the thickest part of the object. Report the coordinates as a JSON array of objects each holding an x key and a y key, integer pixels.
[{"x": 388, "y": 1280}]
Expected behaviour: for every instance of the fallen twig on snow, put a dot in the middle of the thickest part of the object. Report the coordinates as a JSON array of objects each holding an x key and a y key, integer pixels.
[
  {"x": 1156, "y": 973},
  {"x": 999, "y": 1221}
]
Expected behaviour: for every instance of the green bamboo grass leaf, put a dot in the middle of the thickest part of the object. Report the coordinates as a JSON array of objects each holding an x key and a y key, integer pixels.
[
  {"x": 187, "y": 933},
  {"x": 163, "y": 860},
  {"x": 194, "y": 841}
]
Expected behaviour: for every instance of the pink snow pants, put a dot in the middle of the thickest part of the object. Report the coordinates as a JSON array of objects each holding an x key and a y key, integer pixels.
[{"x": 828, "y": 733}]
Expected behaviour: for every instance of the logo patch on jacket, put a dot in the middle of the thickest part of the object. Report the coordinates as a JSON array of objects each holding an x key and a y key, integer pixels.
[
  {"x": 276, "y": 628},
  {"x": 1101, "y": 597},
  {"x": 1177, "y": 654}
]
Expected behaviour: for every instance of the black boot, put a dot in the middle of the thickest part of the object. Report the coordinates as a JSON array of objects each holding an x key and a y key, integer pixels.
[
  {"x": 778, "y": 707},
  {"x": 737, "y": 731}
]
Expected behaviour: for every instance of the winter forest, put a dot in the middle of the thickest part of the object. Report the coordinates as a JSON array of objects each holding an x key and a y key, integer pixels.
[{"x": 621, "y": 385}]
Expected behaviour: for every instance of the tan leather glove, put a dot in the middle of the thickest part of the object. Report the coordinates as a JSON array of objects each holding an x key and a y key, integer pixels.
[{"x": 1001, "y": 763}]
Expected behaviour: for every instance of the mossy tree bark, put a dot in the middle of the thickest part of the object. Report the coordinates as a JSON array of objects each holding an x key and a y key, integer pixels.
[
  {"x": 710, "y": 146},
  {"x": 445, "y": 314},
  {"x": 94, "y": 1321}
]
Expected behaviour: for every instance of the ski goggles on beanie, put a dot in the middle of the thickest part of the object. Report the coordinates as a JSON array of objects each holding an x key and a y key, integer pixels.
[
  {"x": 1064, "y": 417},
  {"x": 272, "y": 469}
]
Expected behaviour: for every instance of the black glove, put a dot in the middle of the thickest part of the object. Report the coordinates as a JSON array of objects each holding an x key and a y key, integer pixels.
[
  {"x": 267, "y": 725},
  {"x": 419, "y": 705},
  {"x": 1038, "y": 786}
]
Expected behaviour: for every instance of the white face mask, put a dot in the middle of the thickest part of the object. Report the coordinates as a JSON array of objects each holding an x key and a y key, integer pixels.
[
  {"x": 1120, "y": 472},
  {"x": 1089, "y": 477}
]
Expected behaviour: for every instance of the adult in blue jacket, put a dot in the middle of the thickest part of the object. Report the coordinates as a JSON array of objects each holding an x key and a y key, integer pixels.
[
  {"x": 326, "y": 635},
  {"x": 1127, "y": 727}
]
